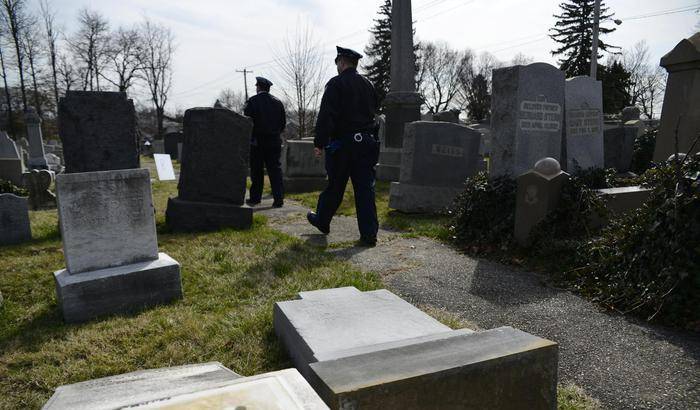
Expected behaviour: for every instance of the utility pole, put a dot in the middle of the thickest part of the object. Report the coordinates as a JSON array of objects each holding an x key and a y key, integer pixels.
[
  {"x": 594, "y": 47},
  {"x": 245, "y": 72}
]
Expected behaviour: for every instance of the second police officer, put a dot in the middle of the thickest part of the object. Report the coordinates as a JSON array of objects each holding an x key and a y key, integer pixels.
[
  {"x": 269, "y": 120},
  {"x": 346, "y": 129}
]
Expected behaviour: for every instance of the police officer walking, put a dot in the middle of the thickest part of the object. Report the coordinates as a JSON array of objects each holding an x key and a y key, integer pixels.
[
  {"x": 346, "y": 128},
  {"x": 269, "y": 120}
]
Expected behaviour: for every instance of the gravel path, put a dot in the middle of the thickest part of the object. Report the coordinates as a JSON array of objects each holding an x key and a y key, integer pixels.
[{"x": 624, "y": 363}]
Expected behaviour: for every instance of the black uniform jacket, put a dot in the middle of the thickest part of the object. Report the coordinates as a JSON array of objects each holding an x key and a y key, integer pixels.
[
  {"x": 349, "y": 105},
  {"x": 269, "y": 118}
]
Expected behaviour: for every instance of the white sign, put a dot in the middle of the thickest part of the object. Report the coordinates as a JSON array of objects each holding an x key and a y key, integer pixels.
[{"x": 164, "y": 166}]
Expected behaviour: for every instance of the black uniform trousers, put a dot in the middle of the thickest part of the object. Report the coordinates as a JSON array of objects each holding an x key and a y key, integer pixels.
[
  {"x": 269, "y": 158},
  {"x": 355, "y": 161}
]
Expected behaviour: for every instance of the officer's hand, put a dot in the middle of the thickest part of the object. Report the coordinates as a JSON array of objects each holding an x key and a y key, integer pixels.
[{"x": 317, "y": 152}]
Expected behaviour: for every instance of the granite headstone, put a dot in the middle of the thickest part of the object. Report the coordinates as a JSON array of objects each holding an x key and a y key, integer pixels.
[
  {"x": 38, "y": 183},
  {"x": 170, "y": 143},
  {"x": 584, "y": 124},
  {"x": 98, "y": 131},
  {"x": 436, "y": 160},
  {"x": 527, "y": 109},
  {"x": 36, "y": 141},
  {"x": 109, "y": 243},
  {"x": 14, "y": 220},
  {"x": 8, "y": 148},
  {"x": 301, "y": 170},
  {"x": 212, "y": 184}
]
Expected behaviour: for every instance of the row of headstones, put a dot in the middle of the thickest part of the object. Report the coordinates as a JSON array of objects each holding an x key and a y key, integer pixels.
[{"x": 351, "y": 350}]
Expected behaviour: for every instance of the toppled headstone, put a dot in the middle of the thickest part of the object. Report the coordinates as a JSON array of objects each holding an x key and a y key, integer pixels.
[
  {"x": 110, "y": 246},
  {"x": 209, "y": 385},
  {"x": 164, "y": 167},
  {"x": 213, "y": 174},
  {"x": 36, "y": 141},
  {"x": 14, "y": 220},
  {"x": 375, "y": 350},
  {"x": 538, "y": 194},
  {"x": 98, "y": 131},
  {"x": 38, "y": 183},
  {"x": 584, "y": 124},
  {"x": 681, "y": 109},
  {"x": 447, "y": 116},
  {"x": 527, "y": 110},
  {"x": 301, "y": 170},
  {"x": 436, "y": 160}
]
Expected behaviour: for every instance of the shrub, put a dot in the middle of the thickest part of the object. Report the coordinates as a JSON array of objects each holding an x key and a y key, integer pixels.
[
  {"x": 644, "y": 151},
  {"x": 6, "y": 187}
]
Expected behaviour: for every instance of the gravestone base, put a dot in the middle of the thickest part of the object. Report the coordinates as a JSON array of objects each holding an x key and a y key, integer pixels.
[
  {"x": 300, "y": 185},
  {"x": 421, "y": 199},
  {"x": 389, "y": 167},
  {"x": 190, "y": 216},
  {"x": 502, "y": 368},
  {"x": 122, "y": 289}
]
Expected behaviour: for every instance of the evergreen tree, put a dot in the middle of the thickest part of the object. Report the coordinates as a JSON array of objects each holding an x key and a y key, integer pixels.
[
  {"x": 478, "y": 98},
  {"x": 574, "y": 32},
  {"x": 616, "y": 81},
  {"x": 378, "y": 71}
]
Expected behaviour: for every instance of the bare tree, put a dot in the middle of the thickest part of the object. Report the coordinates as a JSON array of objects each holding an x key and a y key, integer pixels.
[
  {"x": 51, "y": 32},
  {"x": 31, "y": 45},
  {"x": 485, "y": 65},
  {"x": 441, "y": 69},
  {"x": 66, "y": 73},
  {"x": 647, "y": 81},
  {"x": 90, "y": 46},
  {"x": 156, "y": 65},
  {"x": 232, "y": 100},
  {"x": 521, "y": 59},
  {"x": 125, "y": 56},
  {"x": 15, "y": 19},
  {"x": 301, "y": 67},
  {"x": 3, "y": 72}
]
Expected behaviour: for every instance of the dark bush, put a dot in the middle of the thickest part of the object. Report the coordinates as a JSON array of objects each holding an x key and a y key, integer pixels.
[{"x": 6, "y": 187}]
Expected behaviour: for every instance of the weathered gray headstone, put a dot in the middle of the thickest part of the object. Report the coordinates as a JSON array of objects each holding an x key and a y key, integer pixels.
[
  {"x": 213, "y": 174},
  {"x": 38, "y": 183},
  {"x": 158, "y": 146},
  {"x": 109, "y": 243},
  {"x": 527, "y": 109},
  {"x": 447, "y": 116},
  {"x": 584, "y": 124},
  {"x": 619, "y": 147},
  {"x": 375, "y": 350},
  {"x": 208, "y": 385},
  {"x": 402, "y": 103},
  {"x": 538, "y": 194},
  {"x": 302, "y": 171},
  {"x": 436, "y": 160},
  {"x": 98, "y": 130},
  {"x": 621, "y": 200},
  {"x": 8, "y": 148},
  {"x": 36, "y": 141},
  {"x": 14, "y": 220},
  {"x": 631, "y": 113},
  {"x": 681, "y": 109}
]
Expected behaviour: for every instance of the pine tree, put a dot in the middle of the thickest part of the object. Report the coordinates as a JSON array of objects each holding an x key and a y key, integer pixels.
[
  {"x": 478, "y": 98},
  {"x": 616, "y": 81},
  {"x": 378, "y": 71},
  {"x": 574, "y": 31}
]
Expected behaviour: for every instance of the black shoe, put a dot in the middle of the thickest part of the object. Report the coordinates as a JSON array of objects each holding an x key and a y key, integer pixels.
[
  {"x": 368, "y": 241},
  {"x": 252, "y": 203},
  {"x": 311, "y": 217},
  {"x": 278, "y": 204}
]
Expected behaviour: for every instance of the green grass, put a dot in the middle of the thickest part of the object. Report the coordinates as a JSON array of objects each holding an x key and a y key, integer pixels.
[{"x": 431, "y": 226}]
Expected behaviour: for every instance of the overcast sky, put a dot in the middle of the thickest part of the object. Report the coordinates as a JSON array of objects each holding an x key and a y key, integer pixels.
[{"x": 217, "y": 37}]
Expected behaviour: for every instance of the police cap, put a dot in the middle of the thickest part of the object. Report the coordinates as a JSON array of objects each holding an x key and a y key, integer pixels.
[
  {"x": 262, "y": 81},
  {"x": 348, "y": 53}
]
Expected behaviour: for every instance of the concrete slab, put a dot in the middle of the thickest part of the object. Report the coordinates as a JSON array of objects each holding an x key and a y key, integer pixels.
[
  {"x": 130, "y": 389},
  {"x": 502, "y": 368},
  {"x": 122, "y": 289}
]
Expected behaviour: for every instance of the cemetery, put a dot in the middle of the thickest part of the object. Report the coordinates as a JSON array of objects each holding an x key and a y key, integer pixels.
[{"x": 538, "y": 241}]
